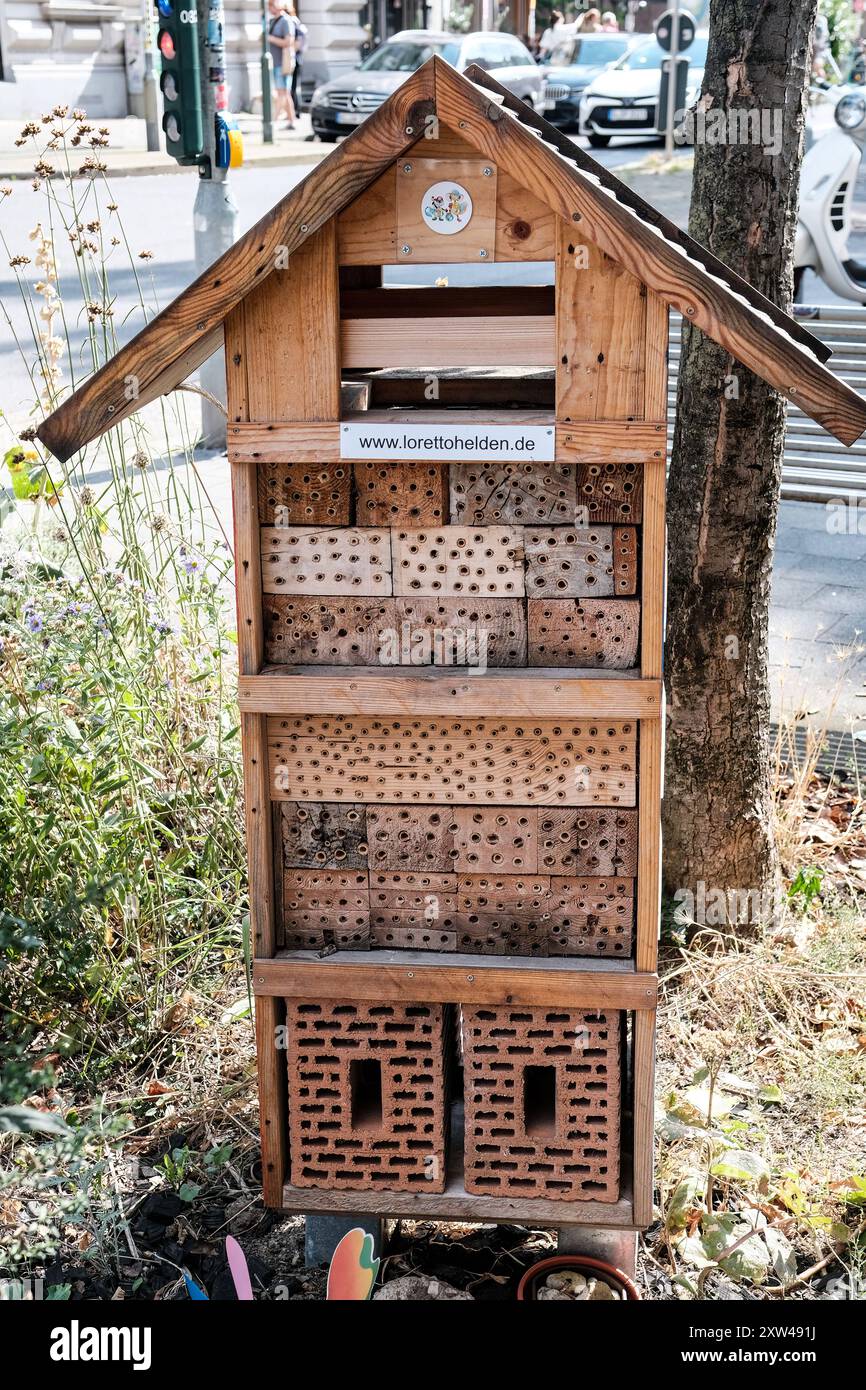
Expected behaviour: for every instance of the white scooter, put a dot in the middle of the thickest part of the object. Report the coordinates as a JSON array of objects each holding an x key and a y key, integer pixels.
[{"x": 826, "y": 194}]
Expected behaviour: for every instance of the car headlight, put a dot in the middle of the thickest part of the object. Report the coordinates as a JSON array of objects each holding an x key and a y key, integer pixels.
[
  {"x": 850, "y": 111},
  {"x": 318, "y": 96}
]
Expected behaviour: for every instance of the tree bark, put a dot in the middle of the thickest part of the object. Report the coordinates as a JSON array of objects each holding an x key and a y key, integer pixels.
[{"x": 725, "y": 475}]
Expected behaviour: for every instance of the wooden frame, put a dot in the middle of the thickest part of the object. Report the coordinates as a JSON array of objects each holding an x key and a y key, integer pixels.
[{"x": 603, "y": 331}]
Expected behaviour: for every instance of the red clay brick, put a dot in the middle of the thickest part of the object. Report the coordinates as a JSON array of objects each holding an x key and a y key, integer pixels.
[
  {"x": 368, "y": 1101},
  {"x": 542, "y": 1098}
]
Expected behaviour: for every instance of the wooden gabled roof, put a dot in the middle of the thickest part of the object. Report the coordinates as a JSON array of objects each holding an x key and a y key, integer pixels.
[{"x": 544, "y": 161}]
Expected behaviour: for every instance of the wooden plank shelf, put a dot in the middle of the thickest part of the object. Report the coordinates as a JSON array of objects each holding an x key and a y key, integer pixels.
[
  {"x": 313, "y": 441},
  {"x": 456, "y": 1204},
  {"x": 538, "y": 692},
  {"x": 446, "y": 977}
]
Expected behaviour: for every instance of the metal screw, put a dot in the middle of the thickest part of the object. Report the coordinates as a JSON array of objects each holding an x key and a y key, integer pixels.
[
  {"x": 483, "y": 255},
  {"x": 461, "y": 125},
  {"x": 404, "y": 250},
  {"x": 304, "y": 227},
  {"x": 111, "y": 410},
  {"x": 199, "y": 328},
  {"x": 487, "y": 173},
  {"x": 410, "y": 130},
  {"x": 575, "y": 217},
  {"x": 410, "y": 974},
  {"x": 407, "y": 168},
  {"x": 470, "y": 979}
]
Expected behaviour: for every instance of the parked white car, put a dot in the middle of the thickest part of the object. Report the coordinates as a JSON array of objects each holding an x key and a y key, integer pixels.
[{"x": 624, "y": 99}]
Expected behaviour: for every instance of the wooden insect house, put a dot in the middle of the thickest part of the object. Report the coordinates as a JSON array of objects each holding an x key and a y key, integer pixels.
[{"x": 450, "y": 552}]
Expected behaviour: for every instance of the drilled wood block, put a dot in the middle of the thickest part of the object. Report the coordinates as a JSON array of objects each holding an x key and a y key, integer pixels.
[
  {"x": 304, "y": 494},
  {"x": 609, "y": 492},
  {"x": 513, "y": 493},
  {"x": 500, "y": 934},
  {"x": 408, "y": 931},
  {"x": 542, "y": 1097},
  {"x": 465, "y": 561},
  {"x": 595, "y": 841},
  {"x": 465, "y": 631},
  {"x": 583, "y": 632},
  {"x": 368, "y": 1101},
  {"x": 312, "y": 560},
  {"x": 329, "y": 631},
  {"x": 540, "y": 915},
  {"x": 416, "y": 841},
  {"x": 496, "y": 840},
  {"x": 325, "y": 908},
  {"x": 409, "y": 884},
  {"x": 457, "y": 761},
  {"x": 503, "y": 914},
  {"x": 570, "y": 562},
  {"x": 314, "y": 835},
  {"x": 625, "y": 559},
  {"x": 423, "y": 905},
  {"x": 401, "y": 494},
  {"x": 500, "y": 892},
  {"x": 590, "y": 917}
]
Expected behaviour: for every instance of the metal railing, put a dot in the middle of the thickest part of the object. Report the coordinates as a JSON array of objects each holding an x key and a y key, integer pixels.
[{"x": 816, "y": 466}]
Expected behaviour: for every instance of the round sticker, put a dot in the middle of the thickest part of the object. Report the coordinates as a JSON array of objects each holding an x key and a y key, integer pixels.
[{"x": 446, "y": 207}]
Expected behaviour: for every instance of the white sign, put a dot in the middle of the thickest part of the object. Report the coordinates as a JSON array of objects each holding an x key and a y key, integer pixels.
[
  {"x": 446, "y": 207},
  {"x": 448, "y": 441}
]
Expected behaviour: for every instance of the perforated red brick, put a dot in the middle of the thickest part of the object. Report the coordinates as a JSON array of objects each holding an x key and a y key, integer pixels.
[
  {"x": 542, "y": 1097},
  {"x": 368, "y": 1102}
]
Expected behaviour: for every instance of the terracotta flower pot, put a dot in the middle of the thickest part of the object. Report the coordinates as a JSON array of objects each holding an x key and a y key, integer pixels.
[{"x": 581, "y": 1264}]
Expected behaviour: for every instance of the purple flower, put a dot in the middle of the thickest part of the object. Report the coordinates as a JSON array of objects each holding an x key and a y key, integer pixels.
[{"x": 34, "y": 622}]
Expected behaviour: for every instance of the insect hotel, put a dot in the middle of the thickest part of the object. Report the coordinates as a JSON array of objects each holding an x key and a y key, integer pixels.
[{"x": 450, "y": 549}]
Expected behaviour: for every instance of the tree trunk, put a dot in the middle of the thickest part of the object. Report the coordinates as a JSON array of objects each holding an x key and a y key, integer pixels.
[{"x": 726, "y": 464}]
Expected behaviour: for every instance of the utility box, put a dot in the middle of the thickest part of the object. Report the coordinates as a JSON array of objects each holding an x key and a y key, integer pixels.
[{"x": 449, "y": 518}]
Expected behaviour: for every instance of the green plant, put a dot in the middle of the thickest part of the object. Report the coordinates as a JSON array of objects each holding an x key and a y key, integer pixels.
[
  {"x": 121, "y": 848},
  {"x": 806, "y": 886}
]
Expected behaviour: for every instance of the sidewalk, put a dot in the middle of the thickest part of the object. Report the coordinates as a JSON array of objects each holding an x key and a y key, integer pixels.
[{"x": 127, "y": 151}]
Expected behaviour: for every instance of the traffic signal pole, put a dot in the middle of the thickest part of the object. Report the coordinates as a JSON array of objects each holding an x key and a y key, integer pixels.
[
  {"x": 215, "y": 214},
  {"x": 670, "y": 114}
]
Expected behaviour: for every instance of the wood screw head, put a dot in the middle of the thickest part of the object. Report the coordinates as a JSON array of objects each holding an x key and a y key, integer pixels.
[
  {"x": 410, "y": 130},
  {"x": 575, "y": 217},
  {"x": 407, "y": 168},
  {"x": 487, "y": 173},
  {"x": 304, "y": 227},
  {"x": 483, "y": 255},
  {"x": 404, "y": 250}
]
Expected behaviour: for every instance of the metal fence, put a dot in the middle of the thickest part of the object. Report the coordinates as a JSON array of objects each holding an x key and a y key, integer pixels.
[{"x": 816, "y": 465}]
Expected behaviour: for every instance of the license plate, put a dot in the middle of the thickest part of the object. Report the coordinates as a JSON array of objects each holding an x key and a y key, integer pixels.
[
  {"x": 621, "y": 113},
  {"x": 348, "y": 117}
]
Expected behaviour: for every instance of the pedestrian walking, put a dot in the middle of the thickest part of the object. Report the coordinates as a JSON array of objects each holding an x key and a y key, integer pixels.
[
  {"x": 299, "y": 34},
  {"x": 282, "y": 49}
]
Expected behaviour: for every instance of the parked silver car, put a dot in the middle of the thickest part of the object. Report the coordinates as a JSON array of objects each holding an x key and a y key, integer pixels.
[{"x": 345, "y": 101}]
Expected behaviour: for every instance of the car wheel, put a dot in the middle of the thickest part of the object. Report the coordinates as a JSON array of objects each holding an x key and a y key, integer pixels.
[{"x": 599, "y": 142}]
